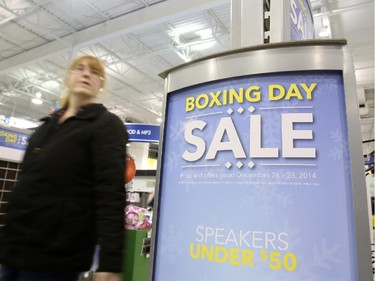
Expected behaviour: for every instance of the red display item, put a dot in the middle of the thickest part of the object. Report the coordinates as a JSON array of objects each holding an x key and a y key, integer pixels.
[{"x": 130, "y": 169}]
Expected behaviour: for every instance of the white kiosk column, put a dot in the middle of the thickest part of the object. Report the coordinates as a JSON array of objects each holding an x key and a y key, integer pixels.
[
  {"x": 261, "y": 172},
  {"x": 247, "y": 21}
]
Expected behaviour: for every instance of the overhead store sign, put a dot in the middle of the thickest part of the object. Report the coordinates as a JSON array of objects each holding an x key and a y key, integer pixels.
[
  {"x": 13, "y": 139},
  {"x": 143, "y": 132},
  {"x": 301, "y": 20},
  {"x": 256, "y": 184}
]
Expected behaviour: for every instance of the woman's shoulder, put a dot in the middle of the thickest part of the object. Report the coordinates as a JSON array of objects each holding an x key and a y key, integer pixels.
[
  {"x": 110, "y": 122},
  {"x": 99, "y": 112},
  {"x": 111, "y": 117}
]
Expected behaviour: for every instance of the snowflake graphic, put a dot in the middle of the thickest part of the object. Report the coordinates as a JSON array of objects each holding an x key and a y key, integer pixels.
[
  {"x": 340, "y": 152},
  {"x": 271, "y": 134},
  {"x": 171, "y": 162},
  {"x": 214, "y": 219},
  {"x": 171, "y": 244},
  {"x": 246, "y": 202},
  {"x": 312, "y": 268},
  {"x": 267, "y": 197},
  {"x": 177, "y": 130},
  {"x": 324, "y": 256},
  {"x": 294, "y": 234}
]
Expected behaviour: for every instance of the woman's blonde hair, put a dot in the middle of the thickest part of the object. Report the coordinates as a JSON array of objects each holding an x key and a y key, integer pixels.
[{"x": 94, "y": 63}]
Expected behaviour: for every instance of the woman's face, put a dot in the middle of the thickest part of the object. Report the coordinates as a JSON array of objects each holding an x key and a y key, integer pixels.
[{"x": 84, "y": 80}]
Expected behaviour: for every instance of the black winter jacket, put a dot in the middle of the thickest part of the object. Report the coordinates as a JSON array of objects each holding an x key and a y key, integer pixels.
[{"x": 70, "y": 196}]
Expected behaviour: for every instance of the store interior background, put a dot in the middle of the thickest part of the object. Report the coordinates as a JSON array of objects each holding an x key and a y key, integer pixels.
[{"x": 139, "y": 39}]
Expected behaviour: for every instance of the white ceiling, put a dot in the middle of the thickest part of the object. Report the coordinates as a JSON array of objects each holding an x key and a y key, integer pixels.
[{"x": 137, "y": 40}]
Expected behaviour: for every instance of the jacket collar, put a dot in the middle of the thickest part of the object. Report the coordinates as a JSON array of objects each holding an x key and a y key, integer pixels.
[{"x": 88, "y": 111}]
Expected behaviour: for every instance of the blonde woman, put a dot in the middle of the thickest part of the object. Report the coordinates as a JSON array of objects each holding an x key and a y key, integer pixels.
[{"x": 70, "y": 196}]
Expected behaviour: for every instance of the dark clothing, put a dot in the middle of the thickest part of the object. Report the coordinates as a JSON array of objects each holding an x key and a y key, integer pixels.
[
  {"x": 8, "y": 273},
  {"x": 70, "y": 196}
]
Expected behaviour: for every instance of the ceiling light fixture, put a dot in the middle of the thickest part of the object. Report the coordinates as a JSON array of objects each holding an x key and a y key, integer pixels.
[
  {"x": 51, "y": 84},
  {"x": 196, "y": 43},
  {"x": 325, "y": 33},
  {"x": 203, "y": 45},
  {"x": 184, "y": 29},
  {"x": 37, "y": 100},
  {"x": 205, "y": 33}
]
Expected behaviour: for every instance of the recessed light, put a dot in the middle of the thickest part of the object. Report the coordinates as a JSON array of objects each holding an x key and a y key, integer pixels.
[{"x": 37, "y": 101}]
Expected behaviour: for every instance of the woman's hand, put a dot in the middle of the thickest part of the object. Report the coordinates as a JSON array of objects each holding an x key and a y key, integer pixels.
[{"x": 107, "y": 276}]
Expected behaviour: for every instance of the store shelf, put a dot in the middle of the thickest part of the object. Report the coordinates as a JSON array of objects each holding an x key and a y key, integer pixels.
[
  {"x": 9, "y": 173},
  {"x": 141, "y": 186},
  {"x": 145, "y": 173}
]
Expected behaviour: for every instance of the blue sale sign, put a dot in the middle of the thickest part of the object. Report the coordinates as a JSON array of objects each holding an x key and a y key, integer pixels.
[
  {"x": 13, "y": 139},
  {"x": 301, "y": 20},
  {"x": 255, "y": 181}
]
